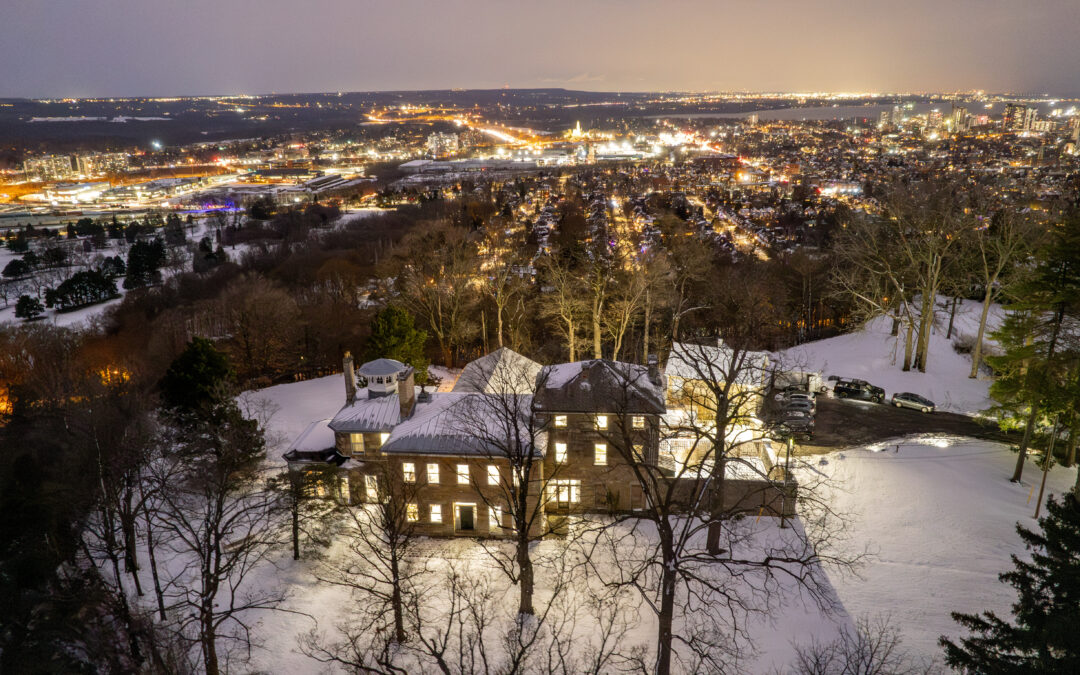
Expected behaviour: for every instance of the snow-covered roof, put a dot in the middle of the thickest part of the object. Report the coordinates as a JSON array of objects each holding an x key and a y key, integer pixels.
[
  {"x": 454, "y": 423},
  {"x": 317, "y": 436},
  {"x": 599, "y": 385},
  {"x": 379, "y": 413},
  {"x": 503, "y": 371},
  {"x": 381, "y": 368},
  {"x": 704, "y": 362}
]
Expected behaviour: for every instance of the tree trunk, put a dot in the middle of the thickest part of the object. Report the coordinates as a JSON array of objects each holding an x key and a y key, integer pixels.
[
  {"x": 1022, "y": 455},
  {"x": 570, "y": 339},
  {"x": 296, "y": 529},
  {"x": 209, "y": 639},
  {"x": 952, "y": 317},
  {"x": 908, "y": 330},
  {"x": 645, "y": 333},
  {"x": 525, "y": 604},
  {"x": 976, "y": 351},
  {"x": 395, "y": 600},
  {"x": 499, "y": 324},
  {"x": 596, "y": 331},
  {"x": 666, "y": 618},
  {"x": 153, "y": 566},
  {"x": 926, "y": 323}
]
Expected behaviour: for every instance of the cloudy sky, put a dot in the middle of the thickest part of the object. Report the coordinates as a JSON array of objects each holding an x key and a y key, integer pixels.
[{"x": 159, "y": 47}]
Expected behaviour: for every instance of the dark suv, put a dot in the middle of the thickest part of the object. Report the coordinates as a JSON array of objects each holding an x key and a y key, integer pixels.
[{"x": 860, "y": 390}]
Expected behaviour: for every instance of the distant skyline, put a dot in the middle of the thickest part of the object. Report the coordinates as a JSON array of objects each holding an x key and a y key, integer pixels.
[{"x": 58, "y": 48}]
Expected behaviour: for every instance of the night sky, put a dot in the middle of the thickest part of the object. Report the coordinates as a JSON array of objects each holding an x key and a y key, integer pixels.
[{"x": 175, "y": 47}]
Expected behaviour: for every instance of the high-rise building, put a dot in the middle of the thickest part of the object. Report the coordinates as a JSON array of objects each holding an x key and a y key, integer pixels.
[
  {"x": 960, "y": 119},
  {"x": 1018, "y": 117},
  {"x": 48, "y": 167},
  {"x": 101, "y": 163}
]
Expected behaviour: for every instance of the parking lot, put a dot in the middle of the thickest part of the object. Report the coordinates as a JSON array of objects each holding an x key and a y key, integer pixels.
[{"x": 842, "y": 423}]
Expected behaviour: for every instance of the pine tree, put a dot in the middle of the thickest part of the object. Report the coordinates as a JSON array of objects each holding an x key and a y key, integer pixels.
[
  {"x": 1046, "y": 635},
  {"x": 394, "y": 336},
  {"x": 1039, "y": 338}
]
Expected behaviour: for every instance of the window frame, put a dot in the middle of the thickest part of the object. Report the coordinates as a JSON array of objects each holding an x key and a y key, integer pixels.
[
  {"x": 601, "y": 422},
  {"x": 435, "y": 513},
  {"x": 408, "y": 472},
  {"x": 560, "y": 421},
  {"x": 463, "y": 477},
  {"x": 494, "y": 476},
  {"x": 561, "y": 452},
  {"x": 433, "y": 471},
  {"x": 600, "y": 453}
]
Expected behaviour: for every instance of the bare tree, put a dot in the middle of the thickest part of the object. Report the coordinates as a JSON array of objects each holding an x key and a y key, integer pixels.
[
  {"x": 504, "y": 427},
  {"x": 657, "y": 549},
  {"x": 434, "y": 271},
  {"x": 1001, "y": 242},
  {"x": 870, "y": 647},
  {"x": 564, "y": 303},
  {"x": 220, "y": 522}
]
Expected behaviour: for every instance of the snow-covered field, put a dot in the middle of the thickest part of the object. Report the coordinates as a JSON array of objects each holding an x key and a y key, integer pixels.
[
  {"x": 937, "y": 514},
  {"x": 874, "y": 355}
]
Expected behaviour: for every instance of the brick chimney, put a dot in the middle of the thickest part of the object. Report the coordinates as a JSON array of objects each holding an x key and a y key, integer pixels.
[
  {"x": 406, "y": 392},
  {"x": 654, "y": 369},
  {"x": 350, "y": 378}
]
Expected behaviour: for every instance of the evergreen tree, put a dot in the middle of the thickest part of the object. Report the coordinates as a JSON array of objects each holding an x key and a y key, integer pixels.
[
  {"x": 79, "y": 290},
  {"x": 28, "y": 307},
  {"x": 394, "y": 336},
  {"x": 196, "y": 378},
  {"x": 1039, "y": 339},
  {"x": 16, "y": 268},
  {"x": 1046, "y": 635},
  {"x": 144, "y": 262}
]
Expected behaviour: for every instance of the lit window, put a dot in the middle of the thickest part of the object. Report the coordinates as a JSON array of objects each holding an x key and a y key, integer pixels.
[
  {"x": 371, "y": 486},
  {"x": 639, "y": 452},
  {"x": 600, "y": 454},
  {"x": 639, "y": 421},
  {"x": 560, "y": 420},
  {"x": 383, "y": 438},
  {"x": 495, "y": 515},
  {"x": 412, "y": 512},
  {"x": 493, "y": 474},
  {"x": 357, "y": 442},
  {"x": 433, "y": 474},
  {"x": 565, "y": 491},
  {"x": 601, "y": 421},
  {"x": 436, "y": 513},
  {"x": 408, "y": 471},
  {"x": 343, "y": 486},
  {"x": 463, "y": 474},
  {"x": 560, "y": 452}
]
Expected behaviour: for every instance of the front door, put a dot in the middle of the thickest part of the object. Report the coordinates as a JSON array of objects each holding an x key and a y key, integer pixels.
[{"x": 465, "y": 517}]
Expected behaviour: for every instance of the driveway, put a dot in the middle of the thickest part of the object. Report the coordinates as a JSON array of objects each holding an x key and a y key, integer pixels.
[{"x": 843, "y": 423}]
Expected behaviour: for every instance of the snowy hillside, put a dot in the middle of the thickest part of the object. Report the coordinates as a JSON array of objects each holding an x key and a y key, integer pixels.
[
  {"x": 874, "y": 355},
  {"x": 938, "y": 515}
]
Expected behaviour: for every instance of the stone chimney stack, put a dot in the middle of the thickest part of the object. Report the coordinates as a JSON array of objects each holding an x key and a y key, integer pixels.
[
  {"x": 654, "y": 369},
  {"x": 406, "y": 393},
  {"x": 350, "y": 378}
]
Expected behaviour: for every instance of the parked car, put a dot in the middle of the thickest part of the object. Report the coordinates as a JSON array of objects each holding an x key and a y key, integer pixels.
[
  {"x": 809, "y": 397},
  {"x": 799, "y": 404},
  {"x": 860, "y": 390},
  {"x": 799, "y": 421},
  {"x": 906, "y": 399},
  {"x": 793, "y": 390}
]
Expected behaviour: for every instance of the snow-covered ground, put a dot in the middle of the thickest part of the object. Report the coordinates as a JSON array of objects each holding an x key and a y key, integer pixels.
[
  {"x": 938, "y": 516},
  {"x": 872, "y": 354}
]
